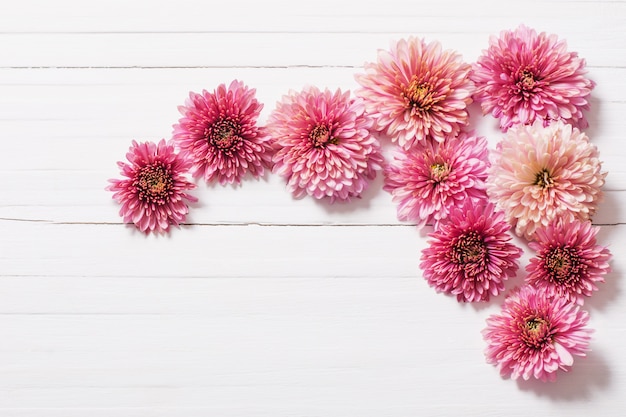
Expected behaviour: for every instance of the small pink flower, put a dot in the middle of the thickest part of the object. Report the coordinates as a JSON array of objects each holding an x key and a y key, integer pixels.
[
  {"x": 218, "y": 133},
  {"x": 153, "y": 194},
  {"x": 542, "y": 174},
  {"x": 427, "y": 181},
  {"x": 417, "y": 91},
  {"x": 324, "y": 145},
  {"x": 535, "y": 335},
  {"x": 525, "y": 76},
  {"x": 470, "y": 255},
  {"x": 568, "y": 263}
]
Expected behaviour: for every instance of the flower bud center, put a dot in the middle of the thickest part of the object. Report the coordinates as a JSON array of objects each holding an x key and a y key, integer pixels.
[
  {"x": 420, "y": 96},
  {"x": 320, "y": 136},
  {"x": 224, "y": 134},
  {"x": 536, "y": 332},
  {"x": 543, "y": 179},
  {"x": 563, "y": 264},
  {"x": 154, "y": 183}
]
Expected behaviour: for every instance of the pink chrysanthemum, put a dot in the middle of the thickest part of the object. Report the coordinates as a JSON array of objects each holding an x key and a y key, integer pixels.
[
  {"x": 569, "y": 263},
  {"x": 324, "y": 144},
  {"x": 416, "y": 91},
  {"x": 153, "y": 194},
  {"x": 534, "y": 335},
  {"x": 470, "y": 255},
  {"x": 219, "y": 134},
  {"x": 427, "y": 181},
  {"x": 525, "y": 76},
  {"x": 541, "y": 174}
]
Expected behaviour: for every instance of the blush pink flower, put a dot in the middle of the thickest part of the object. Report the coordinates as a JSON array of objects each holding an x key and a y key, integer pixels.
[
  {"x": 470, "y": 254},
  {"x": 324, "y": 145},
  {"x": 427, "y": 181},
  {"x": 535, "y": 335},
  {"x": 542, "y": 174},
  {"x": 218, "y": 133},
  {"x": 525, "y": 76},
  {"x": 568, "y": 262},
  {"x": 417, "y": 91},
  {"x": 153, "y": 194}
]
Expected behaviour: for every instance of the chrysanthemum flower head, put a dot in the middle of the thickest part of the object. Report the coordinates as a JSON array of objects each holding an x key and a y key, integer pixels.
[
  {"x": 427, "y": 181},
  {"x": 324, "y": 145},
  {"x": 525, "y": 76},
  {"x": 416, "y": 91},
  {"x": 568, "y": 262},
  {"x": 152, "y": 196},
  {"x": 470, "y": 254},
  {"x": 540, "y": 174},
  {"x": 534, "y": 335},
  {"x": 218, "y": 133}
]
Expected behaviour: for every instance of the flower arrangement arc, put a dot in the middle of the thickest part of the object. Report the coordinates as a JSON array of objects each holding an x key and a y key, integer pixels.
[{"x": 542, "y": 182}]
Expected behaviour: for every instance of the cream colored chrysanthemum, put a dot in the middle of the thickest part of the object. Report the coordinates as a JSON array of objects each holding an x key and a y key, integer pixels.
[{"x": 540, "y": 174}]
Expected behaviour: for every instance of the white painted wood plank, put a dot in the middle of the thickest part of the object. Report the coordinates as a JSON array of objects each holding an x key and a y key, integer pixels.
[
  {"x": 66, "y": 16},
  {"x": 270, "y": 49},
  {"x": 314, "y": 345},
  {"x": 220, "y": 251}
]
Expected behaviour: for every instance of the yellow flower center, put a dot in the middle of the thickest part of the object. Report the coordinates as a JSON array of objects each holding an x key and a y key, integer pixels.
[
  {"x": 562, "y": 264},
  {"x": 439, "y": 172},
  {"x": 469, "y": 248},
  {"x": 224, "y": 134},
  {"x": 536, "y": 332},
  {"x": 420, "y": 96},
  {"x": 527, "y": 80},
  {"x": 321, "y": 136},
  {"x": 543, "y": 179},
  {"x": 154, "y": 183}
]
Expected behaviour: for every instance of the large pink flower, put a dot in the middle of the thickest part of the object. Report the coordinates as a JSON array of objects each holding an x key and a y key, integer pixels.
[
  {"x": 416, "y": 91},
  {"x": 535, "y": 335},
  {"x": 153, "y": 193},
  {"x": 470, "y": 254},
  {"x": 525, "y": 76},
  {"x": 541, "y": 174},
  {"x": 324, "y": 145},
  {"x": 219, "y": 134},
  {"x": 568, "y": 263},
  {"x": 427, "y": 181}
]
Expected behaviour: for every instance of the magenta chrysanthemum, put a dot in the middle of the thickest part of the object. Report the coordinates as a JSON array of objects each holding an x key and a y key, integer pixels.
[
  {"x": 525, "y": 76},
  {"x": 568, "y": 261},
  {"x": 153, "y": 194},
  {"x": 542, "y": 174},
  {"x": 470, "y": 254},
  {"x": 534, "y": 335},
  {"x": 218, "y": 133},
  {"x": 324, "y": 144},
  {"x": 416, "y": 91},
  {"x": 427, "y": 181}
]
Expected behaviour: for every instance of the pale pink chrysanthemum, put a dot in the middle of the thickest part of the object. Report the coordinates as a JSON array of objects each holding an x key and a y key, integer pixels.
[
  {"x": 535, "y": 335},
  {"x": 218, "y": 133},
  {"x": 542, "y": 174},
  {"x": 416, "y": 91},
  {"x": 568, "y": 262},
  {"x": 153, "y": 194},
  {"x": 470, "y": 254},
  {"x": 427, "y": 181},
  {"x": 324, "y": 145},
  {"x": 525, "y": 76}
]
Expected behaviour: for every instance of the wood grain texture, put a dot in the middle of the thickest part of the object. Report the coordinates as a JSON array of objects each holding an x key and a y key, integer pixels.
[{"x": 261, "y": 305}]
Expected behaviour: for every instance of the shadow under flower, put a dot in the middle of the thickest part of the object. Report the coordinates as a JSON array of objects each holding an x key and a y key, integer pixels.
[{"x": 587, "y": 375}]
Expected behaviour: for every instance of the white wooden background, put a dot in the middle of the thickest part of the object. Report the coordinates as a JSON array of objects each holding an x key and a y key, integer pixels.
[{"x": 262, "y": 305}]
